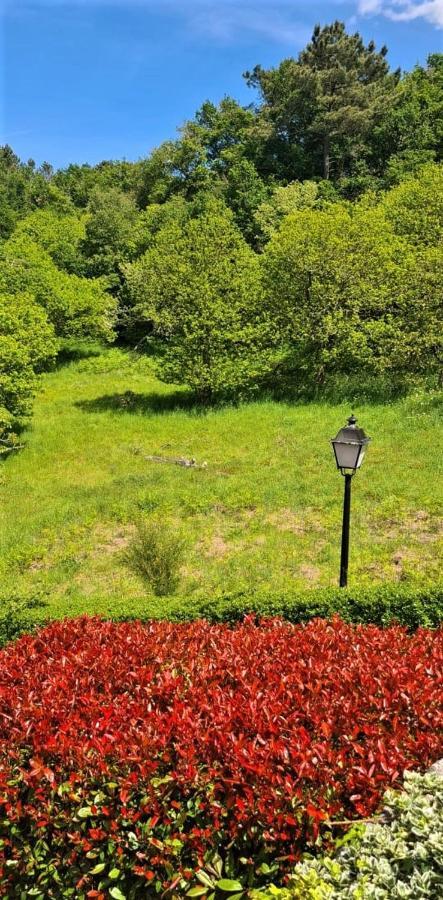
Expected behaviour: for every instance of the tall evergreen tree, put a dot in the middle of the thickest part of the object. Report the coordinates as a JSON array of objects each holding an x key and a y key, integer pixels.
[{"x": 325, "y": 102}]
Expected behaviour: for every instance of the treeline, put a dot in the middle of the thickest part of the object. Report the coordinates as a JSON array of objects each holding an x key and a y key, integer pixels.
[{"x": 284, "y": 243}]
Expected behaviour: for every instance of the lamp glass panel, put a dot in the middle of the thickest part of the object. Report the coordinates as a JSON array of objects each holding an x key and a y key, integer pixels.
[
  {"x": 347, "y": 455},
  {"x": 361, "y": 457}
]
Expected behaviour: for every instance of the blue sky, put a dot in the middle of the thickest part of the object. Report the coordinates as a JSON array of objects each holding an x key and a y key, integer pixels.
[{"x": 85, "y": 80}]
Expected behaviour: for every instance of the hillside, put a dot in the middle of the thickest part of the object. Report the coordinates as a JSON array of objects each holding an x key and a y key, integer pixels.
[{"x": 266, "y": 510}]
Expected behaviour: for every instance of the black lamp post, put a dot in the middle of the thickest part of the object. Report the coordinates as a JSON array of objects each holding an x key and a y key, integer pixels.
[{"x": 349, "y": 448}]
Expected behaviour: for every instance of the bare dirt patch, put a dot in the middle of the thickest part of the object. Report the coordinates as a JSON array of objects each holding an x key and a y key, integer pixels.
[
  {"x": 418, "y": 526},
  {"x": 297, "y": 523},
  {"x": 310, "y": 573},
  {"x": 108, "y": 540},
  {"x": 217, "y": 547}
]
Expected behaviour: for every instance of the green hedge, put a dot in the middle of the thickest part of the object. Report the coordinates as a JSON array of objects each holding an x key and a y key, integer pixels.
[
  {"x": 379, "y": 605},
  {"x": 18, "y": 616}
]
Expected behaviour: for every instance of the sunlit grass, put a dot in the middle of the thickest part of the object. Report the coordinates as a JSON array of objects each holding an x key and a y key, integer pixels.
[{"x": 265, "y": 511}]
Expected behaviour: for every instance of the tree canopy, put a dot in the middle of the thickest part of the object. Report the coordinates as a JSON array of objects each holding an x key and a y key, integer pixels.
[{"x": 290, "y": 242}]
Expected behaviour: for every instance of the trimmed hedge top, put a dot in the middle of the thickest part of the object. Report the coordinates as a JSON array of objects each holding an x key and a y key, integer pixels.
[
  {"x": 381, "y": 604},
  {"x": 378, "y": 605}
]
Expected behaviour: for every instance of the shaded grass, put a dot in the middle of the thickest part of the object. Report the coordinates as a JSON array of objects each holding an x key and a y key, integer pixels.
[{"x": 266, "y": 511}]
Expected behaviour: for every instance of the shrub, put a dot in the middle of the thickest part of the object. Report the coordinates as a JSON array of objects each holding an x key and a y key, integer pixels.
[
  {"x": 155, "y": 554},
  {"x": 27, "y": 344},
  {"x": 17, "y": 616},
  {"x": 400, "y": 858},
  {"x": 139, "y": 758},
  {"x": 382, "y": 604}
]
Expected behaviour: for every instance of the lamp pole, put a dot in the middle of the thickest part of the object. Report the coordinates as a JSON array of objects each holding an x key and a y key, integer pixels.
[
  {"x": 344, "y": 560},
  {"x": 349, "y": 448}
]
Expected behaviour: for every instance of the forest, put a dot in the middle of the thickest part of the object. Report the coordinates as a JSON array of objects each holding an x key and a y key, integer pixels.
[{"x": 292, "y": 246}]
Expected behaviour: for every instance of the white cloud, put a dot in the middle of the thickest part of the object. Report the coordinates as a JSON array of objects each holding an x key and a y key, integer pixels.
[
  {"x": 405, "y": 10},
  {"x": 228, "y": 22}
]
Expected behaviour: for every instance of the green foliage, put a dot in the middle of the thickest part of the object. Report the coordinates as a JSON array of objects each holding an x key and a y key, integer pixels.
[
  {"x": 108, "y": 234},
  {"x": 245, "y": 192},
  {"x": 378, "y": 605},
  {"x": 155, "y": 217},
  {"x": 399, "y": 857},
  {"x": 200, "y": 287},
  {"x": 27, "y": 345},
  {"x": 415, "y": 207},
  {"x": 357, "y": 288},
  {"x": 412, "y": 123},
  {"x": 282, "y": 202},
  {"x": 223, "y": 131},
  {"x": 331, "y": 276},
  {"x": 78, "y": 182},
  {"x": 209, "y": 145},
  {"x": 18, "y": 616},
  {"x": 409, "y": 162},
  {"x": 59, "y": 235},
  {"x": 76, "y": 307},
  {"x": 24, "y": 188},
  {"x": 328, "y": 98},
  {"x": 155, "y": 554}
]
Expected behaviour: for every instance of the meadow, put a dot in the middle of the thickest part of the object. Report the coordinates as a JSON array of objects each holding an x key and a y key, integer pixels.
[{"x": 264, "y": 510}]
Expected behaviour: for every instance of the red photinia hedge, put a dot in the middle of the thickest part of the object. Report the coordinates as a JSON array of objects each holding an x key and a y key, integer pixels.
[{"x": 140, "y": 758}]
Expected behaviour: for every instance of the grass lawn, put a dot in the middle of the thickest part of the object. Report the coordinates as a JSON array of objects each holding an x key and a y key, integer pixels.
[{"x": 265, "y": 511}]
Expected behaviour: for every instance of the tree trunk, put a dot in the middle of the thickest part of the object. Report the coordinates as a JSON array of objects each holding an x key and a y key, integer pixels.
[{"x": 326, "y": 157}]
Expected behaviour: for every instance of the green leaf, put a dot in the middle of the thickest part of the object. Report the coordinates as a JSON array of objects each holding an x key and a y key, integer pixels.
[
  {"x": 116, "y": 893},
  {"x": 228, "y": 885},
  {"x": 84, "y": 812},
  {"x": 204, "y": 878},
  {"x": 197, "y": 892},
  {"x": 114, "y": 873},
  {"x": 97, "y": 869}
]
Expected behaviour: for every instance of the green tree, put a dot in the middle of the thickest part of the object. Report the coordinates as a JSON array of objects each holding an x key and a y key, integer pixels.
[
  {"x": 245, "y": 191},
  {"x": 27, "y": 345},
  {"x": 418, "y": 352},
  {"x": 152, "y": 219},
  {"x": 224, "y": 131},
  {"x": 415, "y": 207},
  {"x": 111, "y": 218},
  {"x": 75, "y": 306},
  {"x": 24, "y": 188},
  {"x": 333, "y": 278},
  {"x": 78, "y": 182},
  {"x": 283, "y": 201},
  {"x": 328, "y": 98},
  {"x": 410, "y": 131},
  {"x": 200, "y": 287},
  {"x": 59, "y": 235},
  {"x": 176, "y": 167}
]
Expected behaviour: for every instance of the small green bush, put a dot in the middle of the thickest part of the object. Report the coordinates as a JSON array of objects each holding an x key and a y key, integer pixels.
[
  {"x": 18, "y": 616},
  {"x": 400, "y": 857},
  {"x": 155, "y": 554}
]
